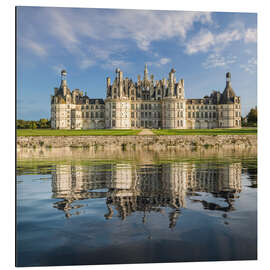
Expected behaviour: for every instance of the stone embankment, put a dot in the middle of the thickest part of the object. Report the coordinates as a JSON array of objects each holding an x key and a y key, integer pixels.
[{"x": 188, "y": 142}]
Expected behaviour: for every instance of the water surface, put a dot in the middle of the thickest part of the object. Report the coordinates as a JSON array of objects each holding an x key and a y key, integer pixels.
[{"x": 150, "y": 207}]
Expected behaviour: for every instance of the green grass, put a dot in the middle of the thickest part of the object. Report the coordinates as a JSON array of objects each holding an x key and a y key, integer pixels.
[
  {"x": 120, "y": 132},
  {"x": 242, "y": 131},
  {"x": 91, "y": 132}
]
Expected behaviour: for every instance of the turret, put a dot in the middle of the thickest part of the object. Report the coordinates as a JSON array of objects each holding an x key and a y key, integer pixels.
[
  {"x": 108, "y": 82},
  {"x": 228, "y": 94},
  {"x": 119, "y": 77},
  {"x": 171, "y": 82},
  {"x": 145, "y": 73},
  {"x": 64, "y": 81}
]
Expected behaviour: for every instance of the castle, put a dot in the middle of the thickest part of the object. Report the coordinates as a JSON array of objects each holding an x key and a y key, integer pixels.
[{"x": 144, "y": 104}]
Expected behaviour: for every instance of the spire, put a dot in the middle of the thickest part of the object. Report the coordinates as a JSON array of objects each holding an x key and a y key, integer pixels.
[
  {"x": 145, "y": 73},
  {"x": 228, "y": 78},
  {"x": 63, "y": 78},
  {"x": 63, "y": 85}
]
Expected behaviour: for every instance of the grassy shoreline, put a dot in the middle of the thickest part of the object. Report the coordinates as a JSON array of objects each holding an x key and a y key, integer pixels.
[{"x": 134, "y": 132}]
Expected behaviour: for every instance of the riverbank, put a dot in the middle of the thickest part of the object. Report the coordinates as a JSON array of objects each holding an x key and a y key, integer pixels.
[{"x": 153, "y": 142}]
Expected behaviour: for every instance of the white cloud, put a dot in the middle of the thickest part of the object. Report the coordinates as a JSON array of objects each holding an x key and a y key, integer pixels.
[
  {"x": 206, "y": 40},
  {"x": 86, "y": 63},
  {"x": 143, "y": 27},
  {"x": 250, "y": 66},
  {"x": 160, "y": 62},
  {"x": 35, "y": 47},
  {"x": 200, "y": 42},
  {"x": 164, "y": 61},
  {"x": 251, "y": 35},
  {"x": 216, "y": 60}
]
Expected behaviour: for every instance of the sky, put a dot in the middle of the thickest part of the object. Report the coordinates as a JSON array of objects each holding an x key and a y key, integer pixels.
[{"x": 91, "y": 43}]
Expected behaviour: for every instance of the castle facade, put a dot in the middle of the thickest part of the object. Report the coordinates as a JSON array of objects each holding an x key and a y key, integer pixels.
[{"x": 144, "y": 104}]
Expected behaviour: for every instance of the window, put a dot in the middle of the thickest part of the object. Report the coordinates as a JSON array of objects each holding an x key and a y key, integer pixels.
[
  {"x": 181, "y": 123},
  {"x": 96, "y": 114},
  {"x": 145, "y": 106},
  {"x": 142, "y": 107},
  {"x": 142, "y": 114},
  {"x": 193, "y": 114},
  {"x": 197, "y": 114},
  {"x": 132, "y": 106},
  {"x": 87, "y": 107},
  {"x": 189, "y": 115},
  {"x": 206, "y": 114},
  {"x": 113, "y": 123},
  {"x": 132, "y": 114},
  {"x": 92, "y": 114},
  {"x": 149, "y": 106},
  {"x": 82, "y": 107},
  {"x": 87, "y": 114}
]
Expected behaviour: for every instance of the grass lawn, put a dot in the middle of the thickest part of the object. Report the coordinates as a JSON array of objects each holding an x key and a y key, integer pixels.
[
  {"x": 123, "y": 132},
  {"x": 91, "y": 132},
  {"x": 241, "y": 131}
]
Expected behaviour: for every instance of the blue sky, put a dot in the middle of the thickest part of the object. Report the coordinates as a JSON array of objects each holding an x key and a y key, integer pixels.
[{"x": 91, "y": 43}]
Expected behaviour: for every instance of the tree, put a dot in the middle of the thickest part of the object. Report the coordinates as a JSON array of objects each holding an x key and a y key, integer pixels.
[{"x": 252, "y": 117}]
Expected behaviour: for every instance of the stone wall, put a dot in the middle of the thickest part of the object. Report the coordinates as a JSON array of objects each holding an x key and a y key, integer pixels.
[{"x": 188, "y": 142}]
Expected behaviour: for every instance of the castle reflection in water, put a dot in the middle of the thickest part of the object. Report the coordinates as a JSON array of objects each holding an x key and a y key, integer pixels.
[{"x": 128, "y": 188}]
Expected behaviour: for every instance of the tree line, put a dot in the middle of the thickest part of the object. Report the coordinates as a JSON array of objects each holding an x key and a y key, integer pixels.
[
  {"x": 251, "y": 119},
  {"x": 31, "y": 124}
]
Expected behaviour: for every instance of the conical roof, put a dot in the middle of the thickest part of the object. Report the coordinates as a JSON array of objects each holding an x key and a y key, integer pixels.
[{"x": 228, "y": 93}]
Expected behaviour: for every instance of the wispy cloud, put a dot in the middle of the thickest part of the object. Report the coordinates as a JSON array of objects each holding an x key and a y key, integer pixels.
[
  {"x": 216, "y": 60},
  {"x": 86, "y": 63},
  {"x": 34, "y": 47},
  {"x": 144, "y": 27},
  {"x": 251, "y": 35},
  {"x": 250, "y": 66},
  {"x": 206, "y": 40},
  {"x": 160, "y": 62}
]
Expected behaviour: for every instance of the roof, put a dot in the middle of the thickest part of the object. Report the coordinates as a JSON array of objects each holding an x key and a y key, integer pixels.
[{"x": 227, "y": 95}]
